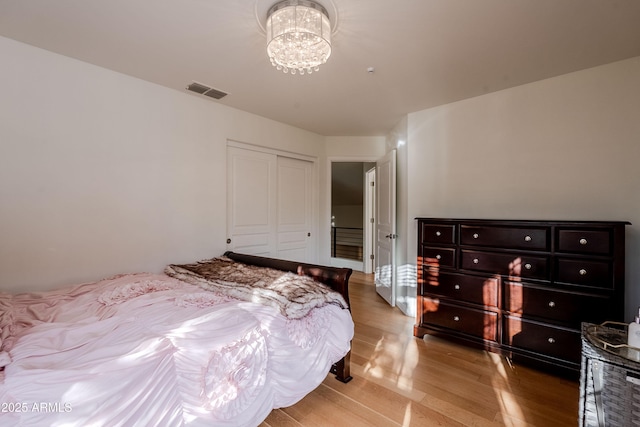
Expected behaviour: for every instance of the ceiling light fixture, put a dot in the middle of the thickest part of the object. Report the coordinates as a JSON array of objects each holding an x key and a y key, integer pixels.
[{"x": 298, "y": 36}]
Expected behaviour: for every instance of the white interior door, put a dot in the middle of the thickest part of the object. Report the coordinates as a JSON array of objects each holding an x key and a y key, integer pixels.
[
  {"x": 385, "y": 266},
  {"x": 251, "y": 202},
  {"x": 295, "y": 210},
  {"x": 370, "y": 222}
]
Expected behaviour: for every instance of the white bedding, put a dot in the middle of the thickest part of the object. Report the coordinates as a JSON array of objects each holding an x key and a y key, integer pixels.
[{"x": 151, "y": 350}]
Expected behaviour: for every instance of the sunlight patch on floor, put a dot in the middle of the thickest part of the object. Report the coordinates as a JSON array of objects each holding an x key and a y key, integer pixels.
[
  {"x": 510, "y": 408},
  {"x": 498, "y": 363},
  {"x": 394, "y": 359},
  {"x": 406, "y": 422}
]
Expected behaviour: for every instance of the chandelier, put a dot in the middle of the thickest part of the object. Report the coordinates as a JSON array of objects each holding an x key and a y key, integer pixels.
[{"x": 298, "y": 36}]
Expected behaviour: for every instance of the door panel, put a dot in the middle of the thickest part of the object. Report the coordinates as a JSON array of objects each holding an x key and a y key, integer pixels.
[
  {"x": 295, "y": 213},
  {"x": 385, "y": 270},
  {"x": 251, "y": 201}
]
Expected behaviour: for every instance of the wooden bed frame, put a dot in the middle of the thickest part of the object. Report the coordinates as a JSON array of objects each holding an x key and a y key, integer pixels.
[{"x": 336, "y": 278}]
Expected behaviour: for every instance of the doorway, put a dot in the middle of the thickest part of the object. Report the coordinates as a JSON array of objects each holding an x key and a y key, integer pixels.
[{"x": 351, "y": 244}]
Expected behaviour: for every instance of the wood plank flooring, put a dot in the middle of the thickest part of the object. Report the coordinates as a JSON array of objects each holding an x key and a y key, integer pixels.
[{"x": 400, "y": 380}]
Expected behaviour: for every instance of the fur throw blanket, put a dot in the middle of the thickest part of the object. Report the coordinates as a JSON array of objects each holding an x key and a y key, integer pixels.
[{"x": 295, "y": 296}]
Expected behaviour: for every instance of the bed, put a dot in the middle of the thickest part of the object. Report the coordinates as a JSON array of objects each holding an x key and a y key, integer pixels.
[{"x": 217, "y": 342}]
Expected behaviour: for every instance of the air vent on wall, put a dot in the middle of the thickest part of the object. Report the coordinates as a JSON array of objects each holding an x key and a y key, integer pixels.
[{"x": 206, "y": 90}]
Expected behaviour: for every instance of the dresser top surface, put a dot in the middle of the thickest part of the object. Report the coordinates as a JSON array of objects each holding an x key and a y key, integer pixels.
[{"x": 523, "y": 221}]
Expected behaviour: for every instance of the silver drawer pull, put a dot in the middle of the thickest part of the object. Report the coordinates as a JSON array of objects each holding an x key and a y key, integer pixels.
[
  {"x": 552, "y": 304},
  {"x": 583, "y": 272},
  {"x": 456, "y": 287},
  {"x": 583, "y": 241},
  {"x": 438, "y": 233},
  {"x": 476, "y": 235},
  {"x": 528, "y": 266},
  {"x": 476, "y": 260},
  {"x": 527, "y": 238},
  {"x": 456, "y": 318},
  {"x": 438, "y": 256},
  {"x": 551, "y": 340}
]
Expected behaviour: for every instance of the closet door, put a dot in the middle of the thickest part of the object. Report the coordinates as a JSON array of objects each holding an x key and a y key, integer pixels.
[
  {"x": 270, "y": 205},
  {"x": 295, "y": 213},
  {"x": 251, "y": 202}
]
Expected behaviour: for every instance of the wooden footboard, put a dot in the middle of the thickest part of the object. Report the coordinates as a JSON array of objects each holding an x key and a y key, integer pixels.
[{"x": 336, "y": 278}]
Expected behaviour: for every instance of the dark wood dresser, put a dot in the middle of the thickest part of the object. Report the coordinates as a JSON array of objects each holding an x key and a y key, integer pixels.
[{"x": 519, "y": 288}]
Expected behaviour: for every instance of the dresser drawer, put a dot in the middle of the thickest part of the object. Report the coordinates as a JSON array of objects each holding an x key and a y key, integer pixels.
[
  {"x": 438, "y": 257},
  {"x": 585, "y": 241},
  {"x": 526, "y": 266},
  {"x": 597, "y": 274},
  {"x": 541, "y": 338},
  {"x": 473, "y": 289},
  {"x": 556, "y": 306},
  {"x": 479, "y": 323},
  {"x": 438, "y": 233},
  {"x": 505, "y": 237}
]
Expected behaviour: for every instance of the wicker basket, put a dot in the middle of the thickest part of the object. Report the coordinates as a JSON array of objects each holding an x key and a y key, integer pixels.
[{"x": 609, "y": 378}]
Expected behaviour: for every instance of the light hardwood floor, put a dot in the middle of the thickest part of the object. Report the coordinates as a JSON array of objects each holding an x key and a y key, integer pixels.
[{"x": 400, "y": 380}]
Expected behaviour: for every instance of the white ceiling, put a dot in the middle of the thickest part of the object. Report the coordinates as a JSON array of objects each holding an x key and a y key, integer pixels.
[{"x": 425, "y": 52}]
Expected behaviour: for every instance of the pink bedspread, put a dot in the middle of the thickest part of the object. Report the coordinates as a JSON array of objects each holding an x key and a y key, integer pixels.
[{"x": 149, "y": 350}]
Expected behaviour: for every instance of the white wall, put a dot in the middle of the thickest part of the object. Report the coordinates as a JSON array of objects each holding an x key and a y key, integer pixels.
[
  {"x": 349, "y": 216},
  {"x": 562, "y": 148},
  {"x": 102, "y": 173}
]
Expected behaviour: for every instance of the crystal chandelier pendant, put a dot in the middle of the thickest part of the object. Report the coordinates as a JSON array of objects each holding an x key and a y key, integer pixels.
[{"x": 298, "y": 36}]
